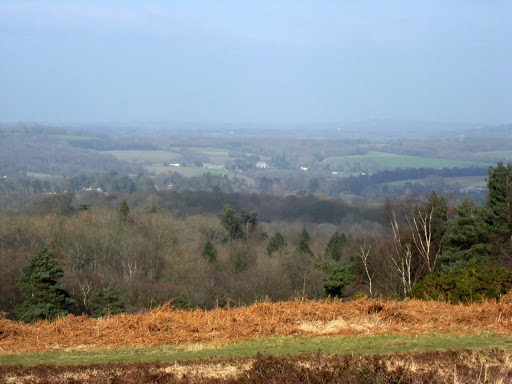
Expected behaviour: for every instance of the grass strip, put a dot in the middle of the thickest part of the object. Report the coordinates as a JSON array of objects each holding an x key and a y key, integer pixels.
[{"x": 280, "y": 345}]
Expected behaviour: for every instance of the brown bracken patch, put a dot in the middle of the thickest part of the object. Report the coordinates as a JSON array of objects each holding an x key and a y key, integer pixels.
[{"x": 168, "y": 326}]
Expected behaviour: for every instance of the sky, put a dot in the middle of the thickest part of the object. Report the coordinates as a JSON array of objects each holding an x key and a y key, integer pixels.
[{"x": 255, "y": 61}]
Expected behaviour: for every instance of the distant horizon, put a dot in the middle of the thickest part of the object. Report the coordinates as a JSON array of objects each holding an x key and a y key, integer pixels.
[{"x": 248, "y": 123}]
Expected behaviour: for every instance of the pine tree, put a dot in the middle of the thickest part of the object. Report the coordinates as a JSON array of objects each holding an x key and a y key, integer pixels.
[
  {"x": 336, "y": 277},
  {"x": 183, "y": 302},
  {"x": 469, "y": 234},
  {"x": 335, "y": 245},
  {"x": 209, "y": 252},
  {"x": 44, "y": 297},
  {"x": 124, "y": 211},
  {"x": 276, "y": 243},
  {"x": 303, "y": 244},
  {"x": 232, "y": 221},
  {"x": 108, "y": 300},
  {"x": 499, "y": 201}
]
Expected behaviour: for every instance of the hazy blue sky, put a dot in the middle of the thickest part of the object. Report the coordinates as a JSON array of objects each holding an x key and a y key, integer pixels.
[{"x": 255, "y": 61}]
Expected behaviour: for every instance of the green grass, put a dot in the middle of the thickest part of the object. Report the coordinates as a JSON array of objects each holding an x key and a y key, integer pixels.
[
  {"x": 42, "y": 175},
  {"x": 282, "y": 345},
  {"x": 74, "y": 137},
  {"x": 390, "y": 160},
  {"x": 139, "y": 156}
]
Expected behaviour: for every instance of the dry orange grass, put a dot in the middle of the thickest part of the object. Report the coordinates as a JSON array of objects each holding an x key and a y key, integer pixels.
[{"x": 164, "y": 325}]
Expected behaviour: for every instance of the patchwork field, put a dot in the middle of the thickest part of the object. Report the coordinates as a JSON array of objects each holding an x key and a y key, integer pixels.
[
  {"x": 390, "y": 160},
  {"x": 247, "y": 339},
  {"x": 139, "y": 157}
]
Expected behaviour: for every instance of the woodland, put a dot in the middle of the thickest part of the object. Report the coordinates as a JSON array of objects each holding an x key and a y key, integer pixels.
[{"x": 85, "y": 254}]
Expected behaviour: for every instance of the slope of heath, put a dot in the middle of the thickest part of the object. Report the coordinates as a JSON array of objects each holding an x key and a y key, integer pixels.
[{"x": 167, "y": 326}]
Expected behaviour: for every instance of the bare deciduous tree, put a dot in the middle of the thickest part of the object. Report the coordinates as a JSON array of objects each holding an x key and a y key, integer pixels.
[
  {"x": 364, "y": 253},
  {"x": 421, "y": 229},
  {"x": 401, "y": 259}
]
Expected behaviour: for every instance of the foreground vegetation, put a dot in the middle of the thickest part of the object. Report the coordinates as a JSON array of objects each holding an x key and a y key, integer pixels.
[
  {"x": 168, "y": 326},
  {"x": 464, "y": 366}
]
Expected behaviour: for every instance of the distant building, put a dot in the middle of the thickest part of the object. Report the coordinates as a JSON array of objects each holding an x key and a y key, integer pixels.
[
  {"x": 92, "y": 189},
  {"x": 261, "y": 164},
  {"x": 174, "y": 165},
  {"x": 213, "y": 166},
  {"x": 303, "y": 168}
]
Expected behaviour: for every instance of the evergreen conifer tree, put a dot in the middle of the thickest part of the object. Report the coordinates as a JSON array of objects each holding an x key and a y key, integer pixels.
[
  {"x": 209, "y": 252},
  {"x": 335, "y": 245},
  {"x": 108, "y": 300},
  {"x": 469, "y": 233},
  {"x": 276, "y": 243},
  {"x": 499, "y": 201},
  {"x": 232, "y": 221},
  {"x": 183, "y": 302},
  {"x": 303, "y": 244},
  {"x": 124, "y": 211},
  {"x": 44, "y": 297}
]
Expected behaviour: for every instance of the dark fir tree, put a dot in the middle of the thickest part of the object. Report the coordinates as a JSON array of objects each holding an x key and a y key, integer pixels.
[
  {"x": 499, "y": 201},
  {"x": 209, "y": 252},
  {"x": 303, "y": 244},
  {"x": 183, "y": 302},
  {"x": 335, "y": 246},
  {"x": 276, "y": 243},
  {"x": 124, "y": 211},
  {"x": 44, "y": 297},
  {"x": 108, "y": 300},
  {"x": 469, "y": 234},
  {"x": 336, "y": 277},
  {"x": 249, "y": 220},
  {"x": 232, "y": 221}
]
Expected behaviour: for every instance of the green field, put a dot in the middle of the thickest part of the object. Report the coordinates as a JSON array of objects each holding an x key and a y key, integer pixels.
[
  {"x": 464, "y": 181},
  {"x": 218, "y": 156},
  {"x": 280, "y": 345},
  {"x": 138, "y": 156},
  {"x": 390, "y": 160},
  {"x": 41, "y": 175},
  {"x": 185, "y": 171},
  {"x": 74, "y": 137}
]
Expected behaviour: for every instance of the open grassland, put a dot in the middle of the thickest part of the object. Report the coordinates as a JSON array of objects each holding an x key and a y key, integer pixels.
[
  {"x": 276, "y": 345},
  {"x": 42, "y": 175},
  {"x": 151, "y": 156},
  {"x": 167, "y": 326},
  {"x": 218, "y": 156},
  {"x": 390, "y": 160}
]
